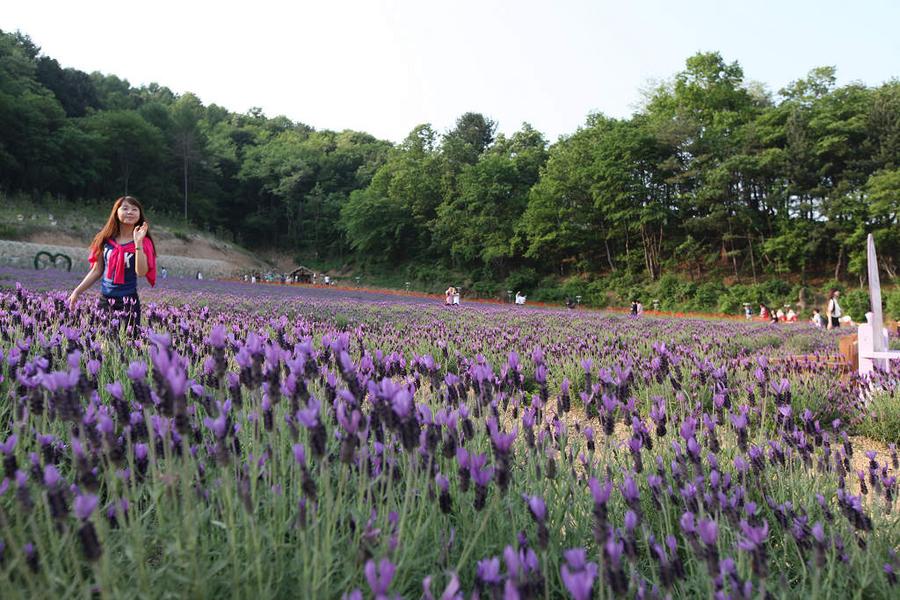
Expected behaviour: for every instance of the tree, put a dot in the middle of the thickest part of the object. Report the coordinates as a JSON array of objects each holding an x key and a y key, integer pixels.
[
  {"x": 74, "y": 89},
  {"x": 189, "y": 140},
  {"x": 29, "y": 116},
  {"x": 479, "y": 225},
  {"x": 562, "y": 224},
  {"x": 133, "y": 150}
]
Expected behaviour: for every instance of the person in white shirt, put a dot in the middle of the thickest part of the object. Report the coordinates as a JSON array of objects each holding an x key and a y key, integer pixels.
[
  {"x": 833, "y": 311},
  {"x": 817, "y": 319}
]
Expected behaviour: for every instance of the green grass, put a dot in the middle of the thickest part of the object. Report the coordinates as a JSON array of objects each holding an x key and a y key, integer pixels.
[{"x": 883, "y": 422}]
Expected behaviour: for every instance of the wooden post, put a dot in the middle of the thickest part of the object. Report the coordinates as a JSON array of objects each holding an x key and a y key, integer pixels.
[{"x": 872, "y": 336}]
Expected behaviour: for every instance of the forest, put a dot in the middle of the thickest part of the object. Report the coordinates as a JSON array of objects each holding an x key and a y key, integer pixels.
[{"x": 714, "y": 182}]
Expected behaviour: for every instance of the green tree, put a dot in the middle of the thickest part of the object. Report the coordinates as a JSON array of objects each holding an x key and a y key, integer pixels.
[
  {"x": 479, "y": 225},
  {"x": 133, "y": 150},
  {"x": 190, "y": 143}
]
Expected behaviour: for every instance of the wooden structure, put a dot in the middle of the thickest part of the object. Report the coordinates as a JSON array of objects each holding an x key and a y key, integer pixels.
[
  {"x": 302, "y": 275},
  {"x": 872, "y": 336}
]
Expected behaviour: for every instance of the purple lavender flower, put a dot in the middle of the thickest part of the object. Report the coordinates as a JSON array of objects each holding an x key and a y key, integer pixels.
[
  {"x": 578, "y": 575},
  {"x": 31, "y": 557},
  {"x": 754, "y": 541},
  {"x": 9, "y": 445},
  {"x": 84, "y": 505},
  {"x": 137, "y": 371},
  {"x": 688, "y": 524},
  {"x": 488, "y": 571},
  {"x": 219, "y": 425},
  {"x": 299, "y": 454},
  {"x": 600, "y": 492},
  {"x": 379, "y": 578},
  {"x": 51, "y": 476},
  {"x": 537, "y": 507},
  {"x": 708, "y": 531},
  {"x": 631, "y": 493}
]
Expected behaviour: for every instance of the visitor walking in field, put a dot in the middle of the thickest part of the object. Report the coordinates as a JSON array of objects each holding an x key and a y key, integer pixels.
[
  {"x": 121, "y": 252},
  {"x": 833, "y": 311}
]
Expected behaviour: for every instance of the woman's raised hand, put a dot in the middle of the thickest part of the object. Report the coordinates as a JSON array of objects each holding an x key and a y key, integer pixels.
[{"x": 140, "y": 232}]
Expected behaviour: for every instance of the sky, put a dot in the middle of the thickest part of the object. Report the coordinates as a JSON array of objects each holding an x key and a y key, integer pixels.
[{"x": 386, "y": 66}]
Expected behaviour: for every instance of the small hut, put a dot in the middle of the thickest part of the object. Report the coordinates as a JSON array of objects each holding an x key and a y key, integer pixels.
[{"x": 301, "y": 275}]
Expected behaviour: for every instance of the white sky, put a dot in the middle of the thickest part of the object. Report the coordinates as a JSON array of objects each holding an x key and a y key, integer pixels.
[{"x": 386, "y": 66}]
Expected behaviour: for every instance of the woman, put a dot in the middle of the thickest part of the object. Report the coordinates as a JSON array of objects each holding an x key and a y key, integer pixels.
[
  {"x": 121, "y": 252},
  {"x": 450, "y": 295},
  {"x": 833, "y": 311}
]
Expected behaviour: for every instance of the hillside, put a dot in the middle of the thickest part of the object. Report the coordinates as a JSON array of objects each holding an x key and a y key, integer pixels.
[{"x": 28, "y": 228}]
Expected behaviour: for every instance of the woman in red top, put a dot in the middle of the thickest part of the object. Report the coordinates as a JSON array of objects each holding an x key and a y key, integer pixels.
[{"x": 121, "y": 252}]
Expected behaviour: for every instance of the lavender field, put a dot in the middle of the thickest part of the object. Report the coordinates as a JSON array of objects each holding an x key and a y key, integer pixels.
[{"x": 294, "y": 442}]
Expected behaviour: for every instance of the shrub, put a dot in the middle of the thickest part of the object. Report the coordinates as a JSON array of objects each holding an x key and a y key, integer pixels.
[
  {"x": 892, "y": 300},
  {"x": 596, "y": 294},
  {"x": 485, "y": 289},
  {"x": 706, "y": 298},
  {"x": 883, "y": 420},
  {"x": 731, "y": 301},
  {"x": 8, "y": 232},
  {"x": 524, "y": 280},
  {"x": 856, "y": 304}
]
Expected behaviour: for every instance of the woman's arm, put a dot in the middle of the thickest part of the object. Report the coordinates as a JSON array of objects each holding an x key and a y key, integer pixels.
[
  {"x": 140, "y": 258},
  {"x": 140, "y": 261},
  {"x": 90, "y": 279}
]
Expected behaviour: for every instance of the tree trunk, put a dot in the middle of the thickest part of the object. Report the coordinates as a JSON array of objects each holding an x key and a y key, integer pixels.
[
  {"x": 185, "y": 185},
  {"x": 752, "y": 259},
  {"x": 737, "y": 277},
  {"x": 609, "y": 259},
  {"x": 837, "y": 267},
  {"x": 651, "y": 252}
]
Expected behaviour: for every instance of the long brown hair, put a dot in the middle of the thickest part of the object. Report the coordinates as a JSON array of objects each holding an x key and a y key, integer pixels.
[{"x": 111, "y": 229}]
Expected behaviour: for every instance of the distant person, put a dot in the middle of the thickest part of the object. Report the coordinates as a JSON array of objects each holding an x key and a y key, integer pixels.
[
  {"x": 449, "y": 295},
  {"x": 833, "y": 311},
  {"x": 199, "y": 276},
  {"x": 763, "y": 312},
  {"x": 121, "y": 252},
  {"x": 570, "y": 303},
  {"x": 817, "y": 319},
  {"x": 640, "y": 308},
  {"x": 520, "y": 299},
  {"x": 748, "y": 313},
  {"x": 164, "y": 272},
  {"x": 779, "y": 315},
  {"x": 253, "y": 278},
  {"x": 790, "y": 316},
  {"x": 634, "y": 308}
]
